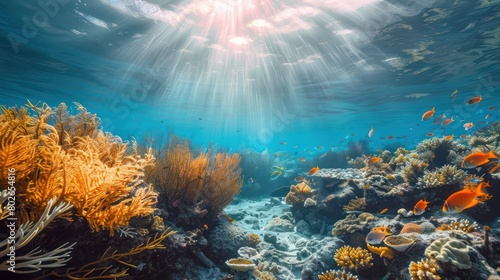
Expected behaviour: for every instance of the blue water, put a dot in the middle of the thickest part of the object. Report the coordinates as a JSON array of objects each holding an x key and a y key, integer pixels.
[{"x": 313, "y": 73}]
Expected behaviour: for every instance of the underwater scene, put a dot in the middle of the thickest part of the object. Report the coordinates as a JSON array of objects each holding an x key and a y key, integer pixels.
[{"x": 250, "y": 139}]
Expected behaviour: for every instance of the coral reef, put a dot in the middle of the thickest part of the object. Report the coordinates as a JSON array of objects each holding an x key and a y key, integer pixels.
[
  {"x": 254, "y": 239},
  {"x": 357, "y": 204},
  {"x": 425, "y": 269},
  {"x": 413, "y": 169},
  {"x": 399, "y": 243},
  {"x": 240, "y": 264},
  {"x": 351, "y": 258},
  {"x": 350, "y": 224},
  {"x": 462, "y": 225},
  {"x": 440, "y": 148}
]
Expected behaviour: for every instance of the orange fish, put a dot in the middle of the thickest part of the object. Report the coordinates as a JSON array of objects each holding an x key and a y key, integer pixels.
[
  {"x": 464, "y": 136},
  {"x": 464, "y": 199},
  {"x": 429, "y": 134},
  {"x": 313, "y": 170},
  {"x": 385, "y": 230},
  {"x": 374, "y": 160},
  {"x": 389, "y": 137},
  {"x": 468, "y": 125},
  {"x": 302, "y": 159},
  {"x": 370, "y": 133},
  {"x": 477, "y": 159},
  {"x": 383, "y": 211},
  {"x": 474, "y": 100},
  {"x": 448, "y": 137},
  {"x": 428, "y": 114},
  {"x": 447, "y": 121},
  {"x": 494, "y": 168},
  {"x": 419, "y": 208}
]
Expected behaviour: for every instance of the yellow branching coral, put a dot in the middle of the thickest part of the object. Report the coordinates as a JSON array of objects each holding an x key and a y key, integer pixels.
[
  {"x": 356, "y": 204},
  {"x": 351, "y": 258},
  {"x": 66, "y": 157},
  {"x": 298, "y": 193},
  {"x": 337, "y": 275},
  {"x": 461, "y": 225},
  {"x": 425, "y": 269}
]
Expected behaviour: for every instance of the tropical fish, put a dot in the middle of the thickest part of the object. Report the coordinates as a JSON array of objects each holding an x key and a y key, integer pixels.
[
  {"x": 225, "y": 219},
  {"x": 389, "y": 137},
  {"x": 448, "y": 137},
  {"x": 428, "y": 114},
  {"x": 375, "y": 237},
  {"x": 468, "y": 125},
  {"x": 366, "y": 186},
  {"x": 464, "y": 136},
  {"x": 454, "y": 94},
  {"x": 474, "y": 100},
  {"x": 493, "y": 108},
  {"x": 383, "y": 211},
  {"x": 276, "y": 154},
  {"x": 250, "y": 180},
  {"x": 370, "y": 133},
  {"x": 464, "y": 199},
  {"x": 299, "y": 179},
  {"x": 302, "y": 159},
  {"x": 477, "y": 159},
  {"x": 494, "y": 168},
  {"x": 487, "y": 116},
  {"x": 391, "y": 177},
  {"x": 429, "y": 134},
  {"x": 283, "y": 143},
  {"x": 374, "y": 160},
  {"x": 438, "y": 119},
  {"x": 313, "y": 170},
  {"x": 447, "y": 121},
  {"x": 419, "y": 208}
]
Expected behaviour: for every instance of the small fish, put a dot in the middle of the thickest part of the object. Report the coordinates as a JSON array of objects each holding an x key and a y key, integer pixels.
[
  {"x": 205, "y": 226},
  {"x": 454, "y": 94},
  {"x": 468, "y": 125},
  {"x": 493, "y": 108},
  {"x": 225, "y": 219},
  {"x": 200, "y": 119},
  {"x": 419, "y": 208},
  {"x": 389, "y": 137},
  {"x": 474, "y": 100},
  {"x": 375, "y": 237},
  {"x": 428, "y": 114},
  {"x": 391, "y": 177},
  {"x": 438, "y": 119},
  {"x": 477, "y": 159},
  {"x": 283, "y": 143},
  {"x": 318, "y": 147},
  {"x": 250, "y": 180},
  {"x": 374, "y": 160},
  {"x": 447, "y": 121},
  {"x": 463, "y": 136},
  {"x": 383, "y": 211},
  {"x": 429, "y": 134},
  {"x": 276, "y": 155},
  {"x": 370, "y": 133},
  {"x": 313, "y": 170},
  {"x": 487, "y": 116},
  {"x": 448, "y": 137},
  {"x": 302, "y": 159},
  {"x": 464, "y": 199},
  {"x": 299, "y": 179},
  {"x": 366, "y": 186},
  {"x": 322, "y": 155}
]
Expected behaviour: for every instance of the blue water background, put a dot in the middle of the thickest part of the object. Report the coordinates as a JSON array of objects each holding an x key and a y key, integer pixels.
[{"x": 409, "y": 59}]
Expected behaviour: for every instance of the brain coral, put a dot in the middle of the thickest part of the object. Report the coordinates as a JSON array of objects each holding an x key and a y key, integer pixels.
[{"x": 450, "y": 250}]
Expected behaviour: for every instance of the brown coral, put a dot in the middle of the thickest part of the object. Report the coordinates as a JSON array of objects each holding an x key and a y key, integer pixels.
[
  {"x": 351, "y": 258},
  {"x": 425, "y": 269},
  {"x": 413, "y": 169},
  {"x": 355, "y": 204},
  {"x": 298, "y": 193},
  {"x": 461, "y": 225},
  {"x": 254, "y": 239}
]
